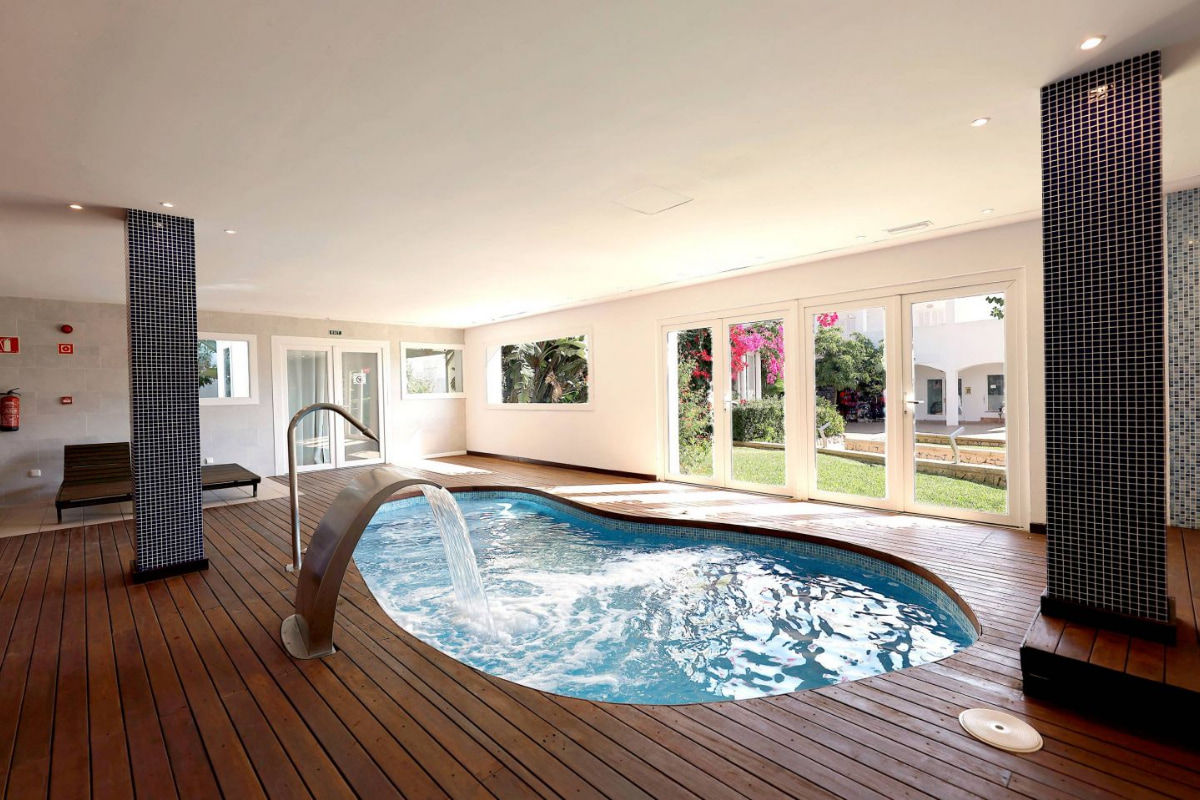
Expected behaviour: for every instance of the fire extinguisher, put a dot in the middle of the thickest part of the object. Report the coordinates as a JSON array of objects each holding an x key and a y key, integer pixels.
[{"x": 10, "y": 410}]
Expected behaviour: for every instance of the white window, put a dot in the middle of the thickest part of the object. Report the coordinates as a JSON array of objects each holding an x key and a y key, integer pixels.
[
  {"x": 546, "y": 373},
  {"x": 227, "y": 368},
  {"x": 431, "y": 371}
]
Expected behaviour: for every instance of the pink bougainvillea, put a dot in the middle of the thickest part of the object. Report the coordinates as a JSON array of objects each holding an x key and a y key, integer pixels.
[
  {"x": 828, "y": 319},
  {"x": 746, "y": 340}
]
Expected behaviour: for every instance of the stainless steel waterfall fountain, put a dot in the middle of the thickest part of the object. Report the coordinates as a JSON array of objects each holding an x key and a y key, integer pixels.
[
  {"x": 294, "y": 477},
  {"x": 309, "y": 632}
]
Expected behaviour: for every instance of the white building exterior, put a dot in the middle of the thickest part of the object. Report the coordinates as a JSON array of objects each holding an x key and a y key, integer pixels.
[{"x": 958, "y": 357}]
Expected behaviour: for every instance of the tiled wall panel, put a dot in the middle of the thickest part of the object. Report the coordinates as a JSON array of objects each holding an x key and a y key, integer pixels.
[
  {"x": 1105, "y": 322},
  {"x": 1183, "y": 319},
  {"x": 164, "y": 412}
]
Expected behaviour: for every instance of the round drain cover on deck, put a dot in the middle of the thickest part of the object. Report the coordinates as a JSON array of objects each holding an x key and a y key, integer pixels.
[{"x": 1001, "y": 730}]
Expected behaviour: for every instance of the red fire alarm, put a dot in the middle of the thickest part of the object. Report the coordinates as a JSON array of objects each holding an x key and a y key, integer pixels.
[
  {"x": 67, "y": 329},
  {"x": 66, "y": 349},
  {"x": 66, "y": 401}
]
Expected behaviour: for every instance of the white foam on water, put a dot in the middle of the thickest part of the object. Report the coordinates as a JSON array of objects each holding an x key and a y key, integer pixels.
[{"x": 595, "y": 614}]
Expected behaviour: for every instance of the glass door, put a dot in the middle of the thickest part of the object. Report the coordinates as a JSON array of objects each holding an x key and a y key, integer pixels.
[
  {"x": 308, "y": 379},
  {"x": 957, "y": 436},
  {"x": 694, "y": 429},
  {"x": 359, "y": 393},
  {"x": 728, "y": 416},
  {"x": 851, "y": 373},
  {"x": 756, "y": 403},
  {"x": 352, "y": 375}
]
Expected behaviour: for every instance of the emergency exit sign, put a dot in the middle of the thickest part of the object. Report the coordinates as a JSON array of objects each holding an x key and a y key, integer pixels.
[{"x": 335, "y": 333}]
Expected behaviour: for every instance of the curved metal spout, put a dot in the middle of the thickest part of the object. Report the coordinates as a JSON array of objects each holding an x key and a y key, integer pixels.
[
  {"x": 309, "y": 632},
  {"x": 293, "y": 476}
]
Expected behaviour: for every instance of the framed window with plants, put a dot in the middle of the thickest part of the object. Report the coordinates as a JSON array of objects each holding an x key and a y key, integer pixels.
[
  {"x": 551, "y": 373},
  {"x": 431, "y": 371},
  {"x": 227, "y": 368}
]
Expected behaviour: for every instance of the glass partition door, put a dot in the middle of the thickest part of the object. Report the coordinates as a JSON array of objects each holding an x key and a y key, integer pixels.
[
  {"x": 359, "y": 386},
  {"x": 351, "y": 374},
  {"x": 756, "y": 404},
  {"x": 957, "y": 421},
  {"x": 728, "y": 417},
  {"x": 853, "y": 434},
  {"x": 694, "y": 428}
]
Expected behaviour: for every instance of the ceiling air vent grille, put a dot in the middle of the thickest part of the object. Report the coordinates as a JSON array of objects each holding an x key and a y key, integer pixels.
[{"x": 912, "y": 227}]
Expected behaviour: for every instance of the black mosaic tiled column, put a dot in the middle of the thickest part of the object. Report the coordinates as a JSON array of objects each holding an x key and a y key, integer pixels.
[
  {"x": 1102, "y": 215},
  {"x": 1183, "y": 319},
  {"x": 164, "y": 407}
]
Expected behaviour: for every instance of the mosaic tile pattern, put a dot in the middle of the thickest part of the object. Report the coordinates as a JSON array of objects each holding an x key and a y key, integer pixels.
[
  {"x": 750, "y": 539},
  {"x": 1102, "y": 217},
  {"x": 164, "y": 407},
  {"x": 1183, "y": 320}
]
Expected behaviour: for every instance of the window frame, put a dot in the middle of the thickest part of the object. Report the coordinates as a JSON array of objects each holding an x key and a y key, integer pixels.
[
  {"x": 494, "y": 346},
  {"x": 252, "y": 365},
  {"x": 405, "y": 394}
]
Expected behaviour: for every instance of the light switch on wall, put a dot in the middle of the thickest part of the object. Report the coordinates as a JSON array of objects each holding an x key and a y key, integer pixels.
[
  {"x": 35, "y": 473},
  {"x": 209, "y": 460}
]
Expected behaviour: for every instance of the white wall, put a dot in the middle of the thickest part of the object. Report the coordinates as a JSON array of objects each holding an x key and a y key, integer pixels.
[
  {"x": 620, "y": 432},
  {"x": 97, "y": 376}
]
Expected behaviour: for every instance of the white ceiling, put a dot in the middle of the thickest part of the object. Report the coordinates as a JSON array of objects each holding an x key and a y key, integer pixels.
[{"x": 453, "y": 163}]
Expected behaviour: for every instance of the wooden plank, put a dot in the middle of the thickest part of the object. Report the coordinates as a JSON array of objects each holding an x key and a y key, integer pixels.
[
  {"x": 1182, "y": 668},
  {"x": 30, "y": 775},
  {"x": 148, "y": 757},
  {"x": 1146, "y": 659},
  {"x": 111, "y": 773},
  {"x": 227, "y": 753},
  {"x": 1110, "y": 650},
  {"x": 188, "y": 677},
  {"x": 1076, "y": 642},
  {"x": 70, "y": 777},
  {"x": 190, "y": 765}
]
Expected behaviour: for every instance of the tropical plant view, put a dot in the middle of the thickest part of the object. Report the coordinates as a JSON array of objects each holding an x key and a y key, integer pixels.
[{"x": 549, "y": 371}]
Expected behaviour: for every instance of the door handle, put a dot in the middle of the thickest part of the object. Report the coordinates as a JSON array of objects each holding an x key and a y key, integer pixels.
[{"x": 915, "y": 402}]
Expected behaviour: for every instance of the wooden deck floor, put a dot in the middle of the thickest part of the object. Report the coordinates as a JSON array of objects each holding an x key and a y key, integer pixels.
[{"x": 180, "y": 687}]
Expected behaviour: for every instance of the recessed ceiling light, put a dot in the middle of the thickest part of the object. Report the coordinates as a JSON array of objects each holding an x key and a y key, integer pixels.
[
  {"x": 860, "y": 237},
  {"x": 75, "y": 207},
  {"x": 987, "y": 211},
  {"x": 979, "y": 122},
  {"x": 1091, "y": 43},
  {"x": 230, "y": 231},
  {"x": 167, "y": 205}
]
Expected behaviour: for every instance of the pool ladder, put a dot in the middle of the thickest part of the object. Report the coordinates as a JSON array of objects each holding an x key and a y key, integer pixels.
[{"x": 294, "y": 476}]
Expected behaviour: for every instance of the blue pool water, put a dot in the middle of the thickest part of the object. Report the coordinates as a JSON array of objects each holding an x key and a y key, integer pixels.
[{"x": 650, "y": 613}]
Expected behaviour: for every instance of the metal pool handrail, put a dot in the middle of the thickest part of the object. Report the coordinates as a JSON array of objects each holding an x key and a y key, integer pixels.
[{"x": 293, "y": 476}]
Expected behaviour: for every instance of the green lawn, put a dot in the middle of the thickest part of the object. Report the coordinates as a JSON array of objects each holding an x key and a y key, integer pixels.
[
  {"x": 759, "y": 466},
  {"x": 847, "y": 476}
]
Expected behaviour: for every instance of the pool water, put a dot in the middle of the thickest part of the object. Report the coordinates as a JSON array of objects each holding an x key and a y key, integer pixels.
[{"x": 593, "y": 608}]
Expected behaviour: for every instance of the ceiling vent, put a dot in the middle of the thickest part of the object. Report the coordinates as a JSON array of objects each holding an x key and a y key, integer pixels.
[
  {"x": 652, "y": 200},
  {"x": 912, "y": 227}
]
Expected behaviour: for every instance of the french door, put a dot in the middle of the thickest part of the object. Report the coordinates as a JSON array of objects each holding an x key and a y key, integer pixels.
[
  {"x": 352, "y": 374},
  {"x": 906, "y": 403},
  {"x": 730, "y": 420}
]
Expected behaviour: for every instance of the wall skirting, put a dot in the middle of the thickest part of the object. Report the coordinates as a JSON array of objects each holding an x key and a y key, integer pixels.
[{"x": 641, "y": 476}]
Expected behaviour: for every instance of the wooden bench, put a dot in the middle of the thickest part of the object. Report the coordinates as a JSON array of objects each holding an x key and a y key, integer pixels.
[
  {"x": 228, "y": 476},
  {"x": 93, "y": 475},
  {"x": 98, "y": 474}
]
